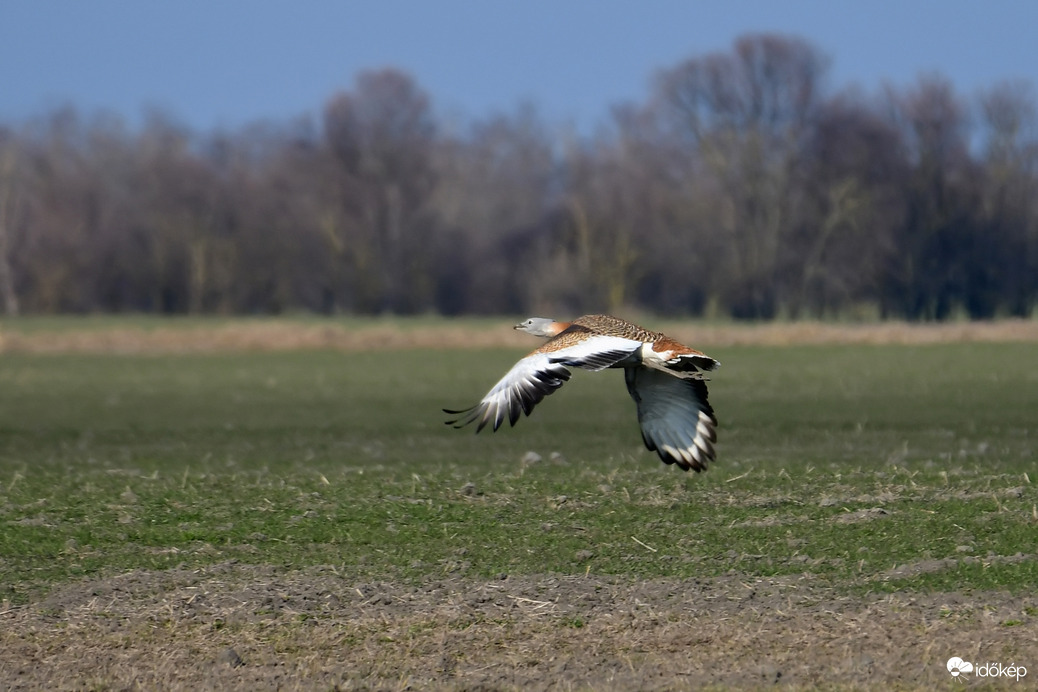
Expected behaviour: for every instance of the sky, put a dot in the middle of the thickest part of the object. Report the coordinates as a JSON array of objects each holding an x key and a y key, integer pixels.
[{"x": 222, "y": 64}]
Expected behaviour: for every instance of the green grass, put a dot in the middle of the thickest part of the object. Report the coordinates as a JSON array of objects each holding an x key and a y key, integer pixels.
[{"x": 865, "y": 466}]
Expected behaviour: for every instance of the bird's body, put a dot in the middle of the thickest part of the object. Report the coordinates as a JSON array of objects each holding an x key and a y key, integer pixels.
[{"x": 663, "y": 376}]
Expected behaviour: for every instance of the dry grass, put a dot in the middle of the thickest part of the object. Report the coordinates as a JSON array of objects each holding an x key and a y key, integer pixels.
[
  {"x": 286, "y": 334},
  {"x": 795, "y": 333},
  {"x": 245, "y": 627}
]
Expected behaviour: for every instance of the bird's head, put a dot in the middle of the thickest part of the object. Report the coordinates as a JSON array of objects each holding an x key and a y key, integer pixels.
[{"x": 539, "y": 326}]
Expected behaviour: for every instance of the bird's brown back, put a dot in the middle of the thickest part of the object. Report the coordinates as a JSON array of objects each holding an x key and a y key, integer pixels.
[{"x": 614, "y": 326}]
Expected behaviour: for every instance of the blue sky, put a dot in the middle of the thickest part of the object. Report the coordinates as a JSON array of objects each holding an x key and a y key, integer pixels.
[{"x": 224, "y": 63}]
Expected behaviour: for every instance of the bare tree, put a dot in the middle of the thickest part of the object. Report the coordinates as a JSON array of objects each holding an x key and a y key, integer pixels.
[
  {"x": 1009, "y": 113},
  {"x": 925, "y": 272},
  {"x": 8, "y": 215},
  {"x": 851, "y": 210},
  {"x": 381, "y": 137},
  {"x": 739, "y": 187},
  {"x": 498, "y": 179},
  {"x": 744, "y": 117}
]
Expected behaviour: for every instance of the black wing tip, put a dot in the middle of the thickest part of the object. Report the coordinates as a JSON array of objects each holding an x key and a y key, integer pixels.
[
  {"x": 471, "y": 415},
  {"x": 461, "y": 418},
  {"x": 709, "y": 364},
  {"x": 701, "y": 450},
  {"x": 693, "y": 362},
  {"x": 695, "y": 465}
]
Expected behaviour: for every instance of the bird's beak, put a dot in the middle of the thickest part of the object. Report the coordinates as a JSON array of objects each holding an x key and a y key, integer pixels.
[{"x": 517, "y": 326}]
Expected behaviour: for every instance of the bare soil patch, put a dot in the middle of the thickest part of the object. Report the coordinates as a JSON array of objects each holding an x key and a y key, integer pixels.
[
  {"x": 280, "y": 335},
  {"x": 235, "y": 626}
]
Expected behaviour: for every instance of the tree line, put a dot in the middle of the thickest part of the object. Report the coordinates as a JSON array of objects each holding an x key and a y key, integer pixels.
[{"x": 744, "y": 185}]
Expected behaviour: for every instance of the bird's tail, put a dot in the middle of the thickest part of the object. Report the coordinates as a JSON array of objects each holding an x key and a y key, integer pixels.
[{"x": 692, "y": 365}]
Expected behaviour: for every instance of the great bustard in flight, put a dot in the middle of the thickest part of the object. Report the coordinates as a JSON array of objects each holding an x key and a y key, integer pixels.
[{"x": 664, "y": 378}]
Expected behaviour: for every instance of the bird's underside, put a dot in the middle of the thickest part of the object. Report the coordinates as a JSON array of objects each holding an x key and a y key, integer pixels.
[{"x": 665, "y": 379}]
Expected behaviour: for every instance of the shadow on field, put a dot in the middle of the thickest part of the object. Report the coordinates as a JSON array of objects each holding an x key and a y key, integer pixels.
[{"x": 236, "y": 626}]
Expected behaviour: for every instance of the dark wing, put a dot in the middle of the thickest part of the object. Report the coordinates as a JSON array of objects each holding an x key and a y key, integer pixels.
[{"x": 676, "y": 419}]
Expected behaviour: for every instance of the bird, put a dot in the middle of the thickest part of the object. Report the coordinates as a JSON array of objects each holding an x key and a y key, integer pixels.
[{"x": 664, "y": 377}]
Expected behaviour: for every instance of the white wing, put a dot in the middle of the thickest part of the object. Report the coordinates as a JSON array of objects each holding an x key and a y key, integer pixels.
[
  {"x": 676, "y": 419},
  {"x": 590, "y": 352},
  {"x": 538, "y": 375},
  {"x": 523, "y": 387}
]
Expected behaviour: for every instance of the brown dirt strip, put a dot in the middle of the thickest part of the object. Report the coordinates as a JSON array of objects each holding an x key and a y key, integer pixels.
[
  {"x": 283, "y": 335},
  {"x": 235, "y": 626}
]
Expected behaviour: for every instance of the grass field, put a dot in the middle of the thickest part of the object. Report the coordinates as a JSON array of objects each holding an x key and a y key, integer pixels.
[{"x": 856, "y": 474}]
